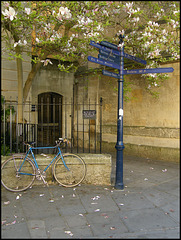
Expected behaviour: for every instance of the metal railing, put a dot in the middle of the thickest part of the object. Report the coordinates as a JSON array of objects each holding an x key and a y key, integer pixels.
[{"x": 81, "y": 123}]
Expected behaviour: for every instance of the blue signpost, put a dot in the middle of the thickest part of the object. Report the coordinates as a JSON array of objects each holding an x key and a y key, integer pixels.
[
  {"x": 113, "y": 56},
  {"x": 109, "y": 55},
  {"x": 102, "y": 62},
  {"x": 106, "y": 58},
  {"x": 138, "y": 71},
  {"x": 119, "y": 145}
]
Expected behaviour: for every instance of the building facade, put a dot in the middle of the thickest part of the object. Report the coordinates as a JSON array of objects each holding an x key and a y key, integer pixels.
[{"x": 151, "y": 125}]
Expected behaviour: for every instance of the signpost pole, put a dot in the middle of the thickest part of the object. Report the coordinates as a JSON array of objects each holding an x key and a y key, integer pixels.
[{"x": 119, "y": 145}]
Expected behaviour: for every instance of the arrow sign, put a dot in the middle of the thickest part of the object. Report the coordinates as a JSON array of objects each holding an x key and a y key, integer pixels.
[
  {"x": 138, "y": 71},
  {"x": 110, "y": 55},
  {"x": 102, "y": 62},
  {"x": 126, "y": 55},
  {"x": 107, "y": 58},
  {"x": 110, "y": 74},
  {"x": 110, "y": 45},
  {"x": 149, "y": 70},
  {"x": 97, "y": 45}
]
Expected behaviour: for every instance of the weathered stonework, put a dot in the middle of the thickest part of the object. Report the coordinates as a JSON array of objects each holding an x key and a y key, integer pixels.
[
  {"x": 150, "y": 126},
  {"x": 98, "y": 168}
]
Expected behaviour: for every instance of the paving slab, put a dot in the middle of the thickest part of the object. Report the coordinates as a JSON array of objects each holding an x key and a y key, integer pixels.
[
  {"x": 19, "y": 230},
  {"x": 159, "y": 198},
  {"x": 37, "y": 228},
  {"x": 146, "y": 219}
]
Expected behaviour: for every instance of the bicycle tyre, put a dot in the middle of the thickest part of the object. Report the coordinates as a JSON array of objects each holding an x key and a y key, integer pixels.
[
  {"x": 10, "y": 178},
  {"x": 75, "y": 174}
]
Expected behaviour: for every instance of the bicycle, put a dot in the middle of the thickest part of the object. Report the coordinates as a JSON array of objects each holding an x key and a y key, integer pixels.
[{"x": 19, "y": 172}]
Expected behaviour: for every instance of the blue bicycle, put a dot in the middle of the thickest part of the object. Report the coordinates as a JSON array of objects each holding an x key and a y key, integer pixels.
[{"x": 19, "y": 172}]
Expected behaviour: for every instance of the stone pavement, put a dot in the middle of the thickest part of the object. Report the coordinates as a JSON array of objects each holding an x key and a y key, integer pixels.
[{"x": 148, "y": 207}]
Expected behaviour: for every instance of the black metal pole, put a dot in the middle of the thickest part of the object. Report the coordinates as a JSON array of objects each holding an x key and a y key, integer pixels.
[
  {"x": 119, "y": 145},
  {"x": 4, "y": 127},
  {"x": 100, "y": 124}
]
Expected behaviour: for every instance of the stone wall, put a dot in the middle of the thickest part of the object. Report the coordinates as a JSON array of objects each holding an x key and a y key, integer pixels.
[
  {"x": 98, "y": 168},
  {"x": 151, "y": 125},
  {"x": 9, "y": 82}
]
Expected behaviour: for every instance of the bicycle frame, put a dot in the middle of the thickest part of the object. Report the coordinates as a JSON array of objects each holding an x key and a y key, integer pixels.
[{"x": 30, "y": 150}]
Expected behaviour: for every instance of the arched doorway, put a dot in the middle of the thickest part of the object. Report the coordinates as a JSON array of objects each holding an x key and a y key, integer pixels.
[{"x": 49, "y": 118}]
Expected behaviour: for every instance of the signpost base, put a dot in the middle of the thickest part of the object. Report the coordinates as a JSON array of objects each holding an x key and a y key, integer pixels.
[{"x": 119, "y": 167}]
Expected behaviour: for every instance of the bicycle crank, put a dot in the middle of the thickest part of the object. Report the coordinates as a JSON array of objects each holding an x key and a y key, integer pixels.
[{"x": 41, "y": 175}]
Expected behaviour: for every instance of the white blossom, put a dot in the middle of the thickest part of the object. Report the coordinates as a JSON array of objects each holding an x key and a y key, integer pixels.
[
  {"x": 46, "y": 62},
  {"x": 153, "y": 75},
  {"x": 64, "y": 12},
  {"x": 20, "y": 43},
  {"x": 100, "y": 28},
  {"x": 105, "y": 12},
  {"x": 129, "y": 5},
  {"x": 121, "y": 32},
  {"x": 175, "y": 12},
  {"x": 37, "y": 40},
  {"x": 11, "y": 14},
  {"x": 146, "y": 44},
  {"x": 27, "y": 11}
]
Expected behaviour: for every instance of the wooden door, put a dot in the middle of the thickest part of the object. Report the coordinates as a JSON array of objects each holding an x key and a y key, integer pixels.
[{"x": 49, "y": 118}]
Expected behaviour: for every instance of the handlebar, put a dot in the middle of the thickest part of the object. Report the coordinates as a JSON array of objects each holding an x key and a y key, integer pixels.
[
  {"x": 61, "y": 141},
  {"x": 29, "y": 143}
]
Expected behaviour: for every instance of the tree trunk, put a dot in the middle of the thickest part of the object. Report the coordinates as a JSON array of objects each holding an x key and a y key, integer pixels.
[
  {"x": 29, "y": 80},
  {"x": 20, "y": 86},
  {"x": 33, "y": 72}
]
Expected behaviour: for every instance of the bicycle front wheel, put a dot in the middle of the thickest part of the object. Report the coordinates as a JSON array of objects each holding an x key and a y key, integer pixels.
[
  {"x": 13, "y": 179},
  {"x": 71, "y": 172}
]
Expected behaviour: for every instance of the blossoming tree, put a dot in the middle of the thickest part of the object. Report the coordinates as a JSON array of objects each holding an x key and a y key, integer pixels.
[{"x": 62, "y": 30}]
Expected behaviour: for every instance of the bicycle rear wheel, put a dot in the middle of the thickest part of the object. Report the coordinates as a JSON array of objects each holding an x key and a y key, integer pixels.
[
  {"x": 14, "y": 180},
  {"x": 75, "y": 173}
]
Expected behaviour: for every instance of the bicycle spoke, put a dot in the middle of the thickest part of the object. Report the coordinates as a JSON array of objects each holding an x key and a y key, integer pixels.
[
  {"x": 13, "y": 179},
  {"x": 75, "y": 174}
]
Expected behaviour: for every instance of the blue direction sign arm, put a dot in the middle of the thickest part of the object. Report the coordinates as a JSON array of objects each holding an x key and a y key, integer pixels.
[
  {"x": 110, "y": 74},
  {"x": 138, "y": 71},
  {"x": 149, "y": 70},
  {"x": 109, "y": 45},
  {"x": 107, "y": 58},
  {"x": 97, "y": 45},
  {"x": 134, "y": 58},
  {"x": 116, "y": 58},
  {"x": 102, "y": 62}
]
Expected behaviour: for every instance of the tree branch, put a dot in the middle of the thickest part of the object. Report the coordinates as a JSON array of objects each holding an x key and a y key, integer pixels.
[{"x": 34, "y": 71}]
